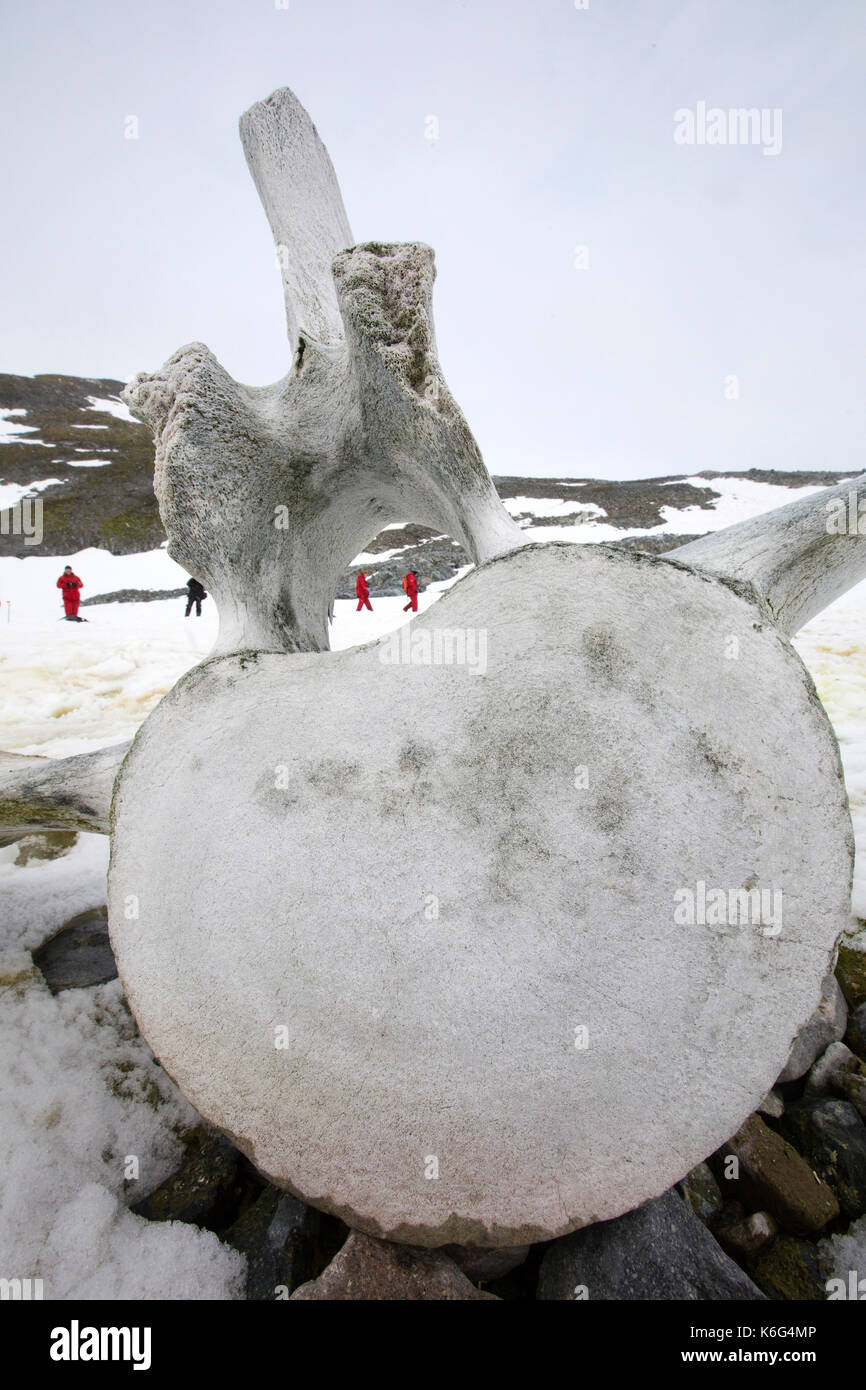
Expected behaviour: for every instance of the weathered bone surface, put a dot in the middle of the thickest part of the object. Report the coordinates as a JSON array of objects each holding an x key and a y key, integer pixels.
[
  {"x": 797, "y": 559},
  {"x": 433, "y": 967},
  {"x": 296, "y": 182},
  {"x": 268, "y": 494},
  {"x": 58, "y": 793},
  {"x": 403, "y": 875}
]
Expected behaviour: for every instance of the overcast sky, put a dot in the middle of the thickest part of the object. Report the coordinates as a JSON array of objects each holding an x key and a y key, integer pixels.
[{"x": 703, "y": 263}]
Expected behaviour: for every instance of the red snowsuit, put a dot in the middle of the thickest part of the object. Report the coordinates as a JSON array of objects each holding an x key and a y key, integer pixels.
[
  {"x": 363, "y": 593},
  {"x": 70, "y": 584},
  {"x": 410, "y": 589}
]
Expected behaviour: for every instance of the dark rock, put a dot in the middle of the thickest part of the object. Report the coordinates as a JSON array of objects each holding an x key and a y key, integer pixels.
[
  {"x": 773, "y": 1105},
  {"x": 825, "y": 1026},
  {"x": 133, "y": 596},
  {"x": 788, "y": 1269},
  {"x": 660, "y": 1251},
  {"x": 856, "y": 1034},
  {"x": 825, "y": 1077},
  {"x": 277, "y": 1234},
  {"x": 703, "y": 1194},
  {"x": 851, "y": 974},
  {"x": 369, "y": 1269},
  {"x": 203, "y": 1192},
  {"x": 853, "y": 1089},
  {"x": 832, "y": 1136},
  {"x": 483, "y": 1266},
  {"x": 79, "y": 954},
  {"x": 772, "y": 1176},
  {"x": 743, "y": 1235}
]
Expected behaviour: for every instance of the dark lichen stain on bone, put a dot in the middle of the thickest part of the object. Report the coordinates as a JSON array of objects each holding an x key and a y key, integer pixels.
[
  {"x": 720, "y": 760},
  {"x": 331, "y": 776},
  {"x": 604, "y": 655},
  {"x": 414, "y": 757}
]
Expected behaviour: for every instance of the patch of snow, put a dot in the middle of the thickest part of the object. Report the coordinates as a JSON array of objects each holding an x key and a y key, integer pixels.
[
  {"x": 11, "y": 493},
  {"x": 368, "y": 558},
  {"x": 109, "y": 406},
  {"x": 842, "y": 1254},
  {"x": 551, "y": 506},
  {"x": 89, "y": 463},
  {"x": 79, "y": 1094},
  {"x": 739, "y": 499},
  {"x": 39, "y": 897},
  {"x": 12, "y": 433}
]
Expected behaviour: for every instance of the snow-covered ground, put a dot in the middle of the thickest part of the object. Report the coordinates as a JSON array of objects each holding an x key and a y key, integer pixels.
[{"x": 79, "y": 1091}]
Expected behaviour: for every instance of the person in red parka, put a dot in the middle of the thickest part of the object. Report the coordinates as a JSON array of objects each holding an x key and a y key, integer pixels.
[
  {"x": 410, "y": 589},
  {"x": 71, "y": 585},
  {"x": 363, "y": 592}
]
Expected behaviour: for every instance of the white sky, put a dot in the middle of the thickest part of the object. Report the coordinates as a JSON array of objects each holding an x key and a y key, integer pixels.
[{"x": 555, "y": 130}]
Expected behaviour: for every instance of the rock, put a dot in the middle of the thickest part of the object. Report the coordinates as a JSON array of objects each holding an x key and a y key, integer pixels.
[
  {"x": 826, "y": 1025},
  {"x": 853, "y": 1088},
  {"x": 856, "y": 1034},
  {"x": 484, "y": 1266},
  {"x": 826, "y": 1075},
  {"x": 851, "y": 970},
  {"x": 277, "y": 1235},
  {"x": 660, "y": 1251},
  {"x": 773, "y": 1177},
  {"x": 773, "y": 1105},
  {"x": 369, "y": 1269},
  {"x": 202, "y": 1191},
  {"x": 789, "y": 1269},
  {"x": 79, "y": 954},
  {"x": 743, "y": 1235},
  {"x": 703, "y": 1194},
  {"x": 134, "y": 596},
  {"x": 832, "y": 1136},
  {"x": 46, "y": 844}
]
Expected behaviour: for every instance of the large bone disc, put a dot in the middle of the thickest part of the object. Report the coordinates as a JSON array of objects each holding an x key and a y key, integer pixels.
[{"x": 440, "y": 943}]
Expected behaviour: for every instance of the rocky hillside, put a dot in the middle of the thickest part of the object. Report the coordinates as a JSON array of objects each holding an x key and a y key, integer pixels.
[
  {"x": 72, "y": 441},
  {"x": 76, "y": 431}
]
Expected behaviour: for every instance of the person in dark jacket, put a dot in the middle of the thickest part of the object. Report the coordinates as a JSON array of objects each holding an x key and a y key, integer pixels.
[
  {"x": 195, "y": 593},
  {"x": 71, "y": 587}
]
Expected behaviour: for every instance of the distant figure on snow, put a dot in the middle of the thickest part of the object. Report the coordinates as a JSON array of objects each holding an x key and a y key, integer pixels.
[
  {"x": 194, "y": 595},
  {"x": 70, "y": 585},
  {"x": 362, "y": 592},
  {"x": 410, "y": 589}
]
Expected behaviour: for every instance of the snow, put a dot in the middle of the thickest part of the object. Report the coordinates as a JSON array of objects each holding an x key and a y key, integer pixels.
[
  {"x": 11, "y": 431},
  {"x": 740, "y": 500},
  {"x": 109, "y": 406},
  {"x": 79, "y": 1094},
  {"x": 841, "y": 1254},
  {"x": 550, "y": 506},
  {"x": 11, "y": 493},
  {"x": 89, "y": 463}
]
